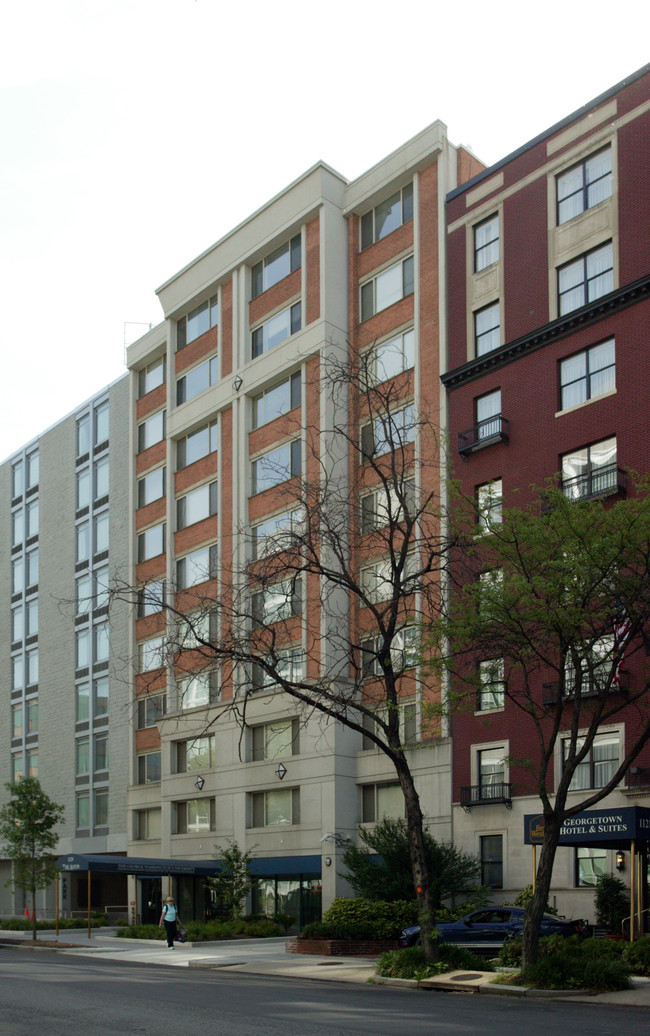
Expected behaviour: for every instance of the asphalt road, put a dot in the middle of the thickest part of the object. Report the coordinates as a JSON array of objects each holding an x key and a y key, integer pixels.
[{"x": 45, "y": 994}]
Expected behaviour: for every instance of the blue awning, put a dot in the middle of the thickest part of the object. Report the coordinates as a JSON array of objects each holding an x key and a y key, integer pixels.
[
  {"x": 153, "y": 866},
  {"x": 603, "y": 828}
]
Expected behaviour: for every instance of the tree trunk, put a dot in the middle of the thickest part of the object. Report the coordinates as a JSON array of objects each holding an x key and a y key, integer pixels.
[
  {"x": 419, "y": 866},
  {"x": 535, "y": 911},
  {"x": 34, "y": 912}
]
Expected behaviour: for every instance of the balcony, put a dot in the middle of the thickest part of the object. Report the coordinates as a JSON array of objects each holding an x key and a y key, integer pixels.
[
  {"x": 605, "y": 481},
  {"x": 485, "y": 433},
  {"x": 486, "y": 795},
  {"x": 638, "y": 778},
  {"x": 590, "y": 687}
]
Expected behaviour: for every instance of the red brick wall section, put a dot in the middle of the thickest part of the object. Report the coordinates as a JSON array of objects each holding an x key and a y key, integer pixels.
[
  {"x": 152, "y": 401},
  {"x": 313, "y": 271},
  {"x": 525, "y": 250},
  {"x": 226, "y": 329},
  {"x": 634, "y": 198},
  {"x": 283, "y": 291},
  {"x": 196, "y": 350}
]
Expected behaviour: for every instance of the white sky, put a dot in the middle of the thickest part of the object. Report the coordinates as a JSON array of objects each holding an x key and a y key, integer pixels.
[{"x": 135, "y": 133}]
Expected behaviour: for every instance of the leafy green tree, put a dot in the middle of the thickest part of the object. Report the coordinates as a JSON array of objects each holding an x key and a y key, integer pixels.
[
  {"x": 560, "y": 595},
  {"x": 453, "y": 872},
  {"x": 27, "y": 824},
  {"x": 612, "y": 903},
  {"x": 234, "y": 881}
]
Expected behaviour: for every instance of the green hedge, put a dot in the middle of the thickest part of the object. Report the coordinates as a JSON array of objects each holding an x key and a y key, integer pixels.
[
  {"x": 210, "y": 931},
  {"x": 23, "y": 924},
  {"x": 411, "y": 963},
  {"x": 362, "y": 919}
]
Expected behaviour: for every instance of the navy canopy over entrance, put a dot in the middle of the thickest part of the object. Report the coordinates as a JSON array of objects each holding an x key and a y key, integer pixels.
[
  {"x": 602, "y": 828},
  {"x": 147, "y": 865}
]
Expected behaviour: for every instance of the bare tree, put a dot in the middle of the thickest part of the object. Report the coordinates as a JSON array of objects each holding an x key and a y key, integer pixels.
[{"x": 351, "y": 569}]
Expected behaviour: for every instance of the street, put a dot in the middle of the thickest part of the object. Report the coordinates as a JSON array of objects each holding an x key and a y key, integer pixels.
[{"x": 48, "y": 994}]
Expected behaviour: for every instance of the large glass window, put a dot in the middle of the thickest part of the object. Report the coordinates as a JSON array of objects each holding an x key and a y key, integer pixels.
[
  {"x": 83, "y": 810},
  {"x": 150, "y": 710},
  {"x": 277, "y": 602},
  {"x": 276, "y": 266},
  {"x": 32, "y": 514},
  {"x": 31, "y": 661},
  {"x": 599, "y": 765},
  {"x": 152, "y": 376},
  {"x": 151, "y": 487},
  {"x": 492, "y": 686},
  {"x": 488, "y": 504},
  {"x": 276, "y": 533},
  {"x": 149, "y": 768},
  {"x": 384, "y": 506},
  {"x": 148, "y": 824},
  {"x": 197, "y": 322},
  {"x": 82, "y": 702},
  {"x": 591, "y": 471},
  {"x": 393, "y": 357},
  {"x": 389, "y": 432},
  {"x": 195, "y": 755},
  {"x": 101, "y": 751},
  {"x": 82, "y": 749},
  {"x": 17, "y": 479},
  {"x": 198, "y": 690},
  {"x": 197, "y": 380},
  {"x": 151, "y": 431},
  {"x": 387, "y": 216},
  {"x": 82, "y": 638},
  {"x": 488, "y": 415},
  {"x": 275, "y": 401},
  {"x": 101, "y": 807},
  {"x": 388, "y": 287},
  {"x": 585, "y": 279},
  {"x": 100, "y": 522},
  {"x": 197, "y": 505},
  {"x": 151, "y": 542},
  {"x": 590, "y": 865},
  {"x": 584, "y": 185},
  {"x": 101, "y": 478},
  {"x": 83, "y": 435},
  {"x": 101, "y": 423},
  {"x": 276, "y": 329},
  {"x": 487, "y": 328},
  {"x": 101, "y": 640},
  {"x": 275, "y": 808},
  {"x": 491, "y": 773},
  {"x": 195, "y": 815},
  {"x": 197, "y": 445},
  {"x": 274, "y": 740},
  {"x": 588, "y": 374},
  {"x": 276, "y": 466},
  {"x": 152, "y": 654},
  {"x": 196, "y": 567},
  {"x": 381, "y": 800},
  {"x": 491, "y": 856},
  {"x": 486, "y": 243},
  {"x": 83, "y": 488}
]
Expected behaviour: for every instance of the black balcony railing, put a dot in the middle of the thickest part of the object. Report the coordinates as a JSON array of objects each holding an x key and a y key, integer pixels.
[
  {"x": 485, "y": 433},
  {"x": 590, "y": 687},
  {"x": 605, "y": 481},
  {"x": 486, "y": 795},
  {"x": 638, "y": 777}
]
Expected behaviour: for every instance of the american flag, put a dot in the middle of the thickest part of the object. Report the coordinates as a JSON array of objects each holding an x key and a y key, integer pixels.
[{"x": 622, "y": 627}]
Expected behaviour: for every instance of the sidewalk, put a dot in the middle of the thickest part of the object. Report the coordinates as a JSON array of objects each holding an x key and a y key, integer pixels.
[{"x": 268, "y": 957}]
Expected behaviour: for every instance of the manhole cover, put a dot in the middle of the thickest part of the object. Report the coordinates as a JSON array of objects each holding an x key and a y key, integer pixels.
[{"x": 464, "y": 978}]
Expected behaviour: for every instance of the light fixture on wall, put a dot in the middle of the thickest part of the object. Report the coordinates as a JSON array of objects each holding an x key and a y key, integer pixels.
[
  {"x": 237, "y": 383},
  {"x": 620, "y": 860},
  {"x": 280, "y": 771},
  {"x": 328, "y": 861},
  {"x": 199, "y": 782}
]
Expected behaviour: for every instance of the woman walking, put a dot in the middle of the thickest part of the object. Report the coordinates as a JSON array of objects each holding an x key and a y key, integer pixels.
[{"x": 169, "y": 917}]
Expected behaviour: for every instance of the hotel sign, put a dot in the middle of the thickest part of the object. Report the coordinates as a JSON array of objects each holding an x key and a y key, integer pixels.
[{"x": 594, "y": 827}]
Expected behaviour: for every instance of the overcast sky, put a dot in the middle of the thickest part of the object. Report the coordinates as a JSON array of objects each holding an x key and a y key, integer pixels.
[{"x": 135, "y": 134}]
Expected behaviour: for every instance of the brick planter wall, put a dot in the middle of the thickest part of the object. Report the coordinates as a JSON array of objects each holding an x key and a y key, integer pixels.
[{"x": 341, "y": 947}]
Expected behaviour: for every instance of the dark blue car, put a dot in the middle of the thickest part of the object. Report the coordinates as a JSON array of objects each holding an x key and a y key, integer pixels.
[{"x": 489, "y": 928}]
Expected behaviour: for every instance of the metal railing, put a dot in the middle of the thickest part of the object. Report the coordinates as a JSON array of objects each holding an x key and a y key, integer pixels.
[
  {"x": 486, "y": 795},
  {"x": 485, "y": 433}
]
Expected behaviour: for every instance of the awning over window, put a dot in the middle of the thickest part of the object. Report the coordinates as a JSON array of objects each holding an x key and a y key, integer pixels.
[
  {"x": 152, "y": 866},
  {"x": 604, "y": 828}
]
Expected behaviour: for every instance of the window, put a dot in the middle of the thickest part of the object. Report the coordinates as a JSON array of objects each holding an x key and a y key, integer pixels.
[
  {"x": 381, "y": 800},
  {"x": 151, "y": 598},
  {"x": 101, "y": 807},
  {"x": 101, "y": 424},
  {"x": 488, "y": 504},
  {"x": 195, "y": 755},
  {"x": 584, "y": 185},
  {"x": 151, "y": 542},
  {"x": 197, "y": 505},
  {"x": 491, "y": 773},
  {"x": 585, "y": 279},
  {"x": 276, "y": 401},
  {"x": 31, "y": 617},
  {"x": 149, "y": 768},
  {"x": 151, "y": 377},
  {"x": 83, "y": 542},
  {"x": 197, "y": 380},
  {"x": 101, "y": 478},
  {"x": 82, "y": 756},
  {"x": 148, "y": 824},
  {"x": 197, "y": 445},
  {"x": 82, "y": 639},
  {"x": 17, "y": 672},
  {"x": 383, "y": 506},
  {"x": 388, "y": 432},
  {"x": 101, "y": 751},
  {"x": 276, "y": 330},
  {"x": 387, "y": 217},
  {"x": 32, "y": 469},
  {"x": 198, "y": 690},
  {"x": 276, "y": 266},
  {"x": 487, "y": 328},
  {"x": 276, "y": 466},
  {"x": 17, "y": 623},
  {"x": 83, "y": 435},
  {"x": 276, "y": 533},
  {"x": 599, "y": 765},
  {"x": 387, "y": 287},
  {"x": 492, "y": 687},
  {"x": 596, "y": 668},
  {"x": 31, "y": 660},
  {"x": 101, "y": 643},
  {"x": 197, "y": 322},
  {"x": 150, "y": 710},
  {"x": 101, "y": 587},
  {"x": 17, "y": 721},
  {"x": 151, "y": 487},
  {"x": 274, "y": 740},
  {"x": 31, "y": 512},
  {"x": 403, "y": 652},
  {"x": 151, "y": 431},
  {"x": 277, "y": 602},
  {"x": 17, "y": 576},
  {"x": 17, "y": 480},
  {"x": 393, "y": 356},
  {"x": 83, "y": 810},
  {"x": 590, "y": 865},
  {"x": 17, "y": 527},
  {"x": 83, "y": 489},
  {"x": 152, "y": 654},
  {"x": 488, "y": 415},
  {"x": 486, "y": 243},
  {"x": 588, "y": 374},
  {"x": 32, "y": 716},
  {"x": 591, "y": 471},
  {"x": 100, "y": 523},
  {"x": 380, "y": 580},
  {"x": 288, "y": 664},
  {"x": 101, "y": 696},
  {"x": 196, "y": 567},
  {"x": 491, "y": 857},
  {"x": 273, "y": 808},
  {"x": 195, "y": 815},
  {"x": 82, "y": 702},
  {"x": 32, "y": 568},
  {"x": 32, "y": 762}
]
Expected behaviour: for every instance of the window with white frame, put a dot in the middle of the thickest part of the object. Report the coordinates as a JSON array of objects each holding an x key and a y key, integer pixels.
[
  {"x": 152, "y": 654},
  {"x": 101, "y": 423},
  {"x": 197, "y": 322},
  {"x": 100, "y": 532},
  {"x": 392, "y": 357},
  {"x": 491, "y": 684},
  {"x": 101, "y": 642},
  {"x": 408, "y": 728},
  {"x": 383, "y": 505},
  {"x": 100, "y": 751},
  {"x": 17, "y": 480},
  {"x": 195, "y": 506},
  {"x": 585, "y": 279},
  {"x": 151, "y": 487},
  {"x": 387, "y": 216},
  {"x": 403, "y": 652},
  {"x": 491, "y": 859},
  {"x": 151, "y": 431},
  {"x": 590, "y": 471},
  {"x": 276, "y": 266},
  {"x": 277, "y": 602},
  {"x": 590, "y": 865},
  {"x": 594, "y": 669},
  {"x": 151, "y": 709},
  {"x": 491, "y": 766},
  {"x": 197, "y": 690},
  {"x": 488, "y": 415},
  {"x": 151, "y": 376},
  {"x": 588, "y": 374},
  {"x": 82, "y": 755},
  {"x": 584, "y": 185},
  {"x": 197, "y": 380},
  {"x": 197, "y": 445},
  {"x": 83, "y": 488},
  {"x": 275, "y": 808},
  {"x": 276, "y": 329},
  {"x": 151, "y": 598},
  {"x": 148, "y": 767},
  {"x": 276, "y": 533},
  {"x": 101, "y": 473},
  {"x": 288, "y": 663},
  {"x": 381, "y": 800},
  {"x": 486, "y": 243},
  {"x": 100, "y": 696},
  {"x": 487, "y": 328},
  {"x": 83, "y": 435},
  {"x": 277, "y": 400},
  {"x": 599, "y": 765},
  {"x": 387, "y": 288},
  {"x": 196, "y": 567},
  {"x": 489, "y": 504},
  {"x": 275, "y": 739},
  {"x": 194, "y": 816},
  {"x": 276, "y": 466},
  {"x": 148, "y": 824},
  {"x": 196, "y": 754},
  {"x": 389, "y": 431},
  {"x": 151, "y": 542},
  {"x": 379, "y": 580}
]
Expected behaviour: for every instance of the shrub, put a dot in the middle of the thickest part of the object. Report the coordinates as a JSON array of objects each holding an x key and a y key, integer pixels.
[
  {"x": 635, "y": 954},
  {"x": 141, "y": 931},
  {"x": 571, "y": 968},
  {"x": 408, "y": 963},
  {"x": 265, "y": 929},
  {"x": 363, "y": 919},
  {"x": 612, "y": 905},
  {"x": 509, "y": 955},
  {"x": 286, "y": 921},
  {"x": 458, "y": 957}
]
